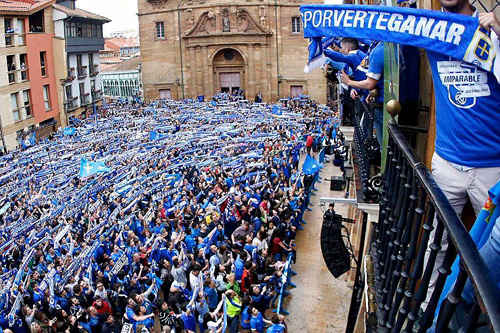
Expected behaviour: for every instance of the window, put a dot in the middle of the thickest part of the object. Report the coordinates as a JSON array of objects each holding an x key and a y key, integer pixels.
[
  {"x": 67, "y": 29},
  {"x": 46, "y": 97},
  {"x": 9, "y": 32},
  {"x": 296, "y": 24},
  {"x": 14, "y": 106},
  {"x": 11, "y": 68},
  {"x": 36, "y": 22},
  {"x": 24, "y": 66},
  {"x": 91, "y": 63},
  {"x": 73, "y": 30},
  {"x": 79, "y": 30},
  {"x": 160, "y": 30},
  {"x": 27, "y": 102},
  {"x": 79, "y": 61},
  {"x": 43, "y": 63}
]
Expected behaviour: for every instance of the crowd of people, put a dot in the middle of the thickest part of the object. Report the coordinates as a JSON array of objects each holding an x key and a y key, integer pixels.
[{"x": 185, "y": 226}]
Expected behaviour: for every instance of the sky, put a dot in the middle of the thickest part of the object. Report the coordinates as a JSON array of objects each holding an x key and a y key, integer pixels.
[{"x": 122, "y": 13}]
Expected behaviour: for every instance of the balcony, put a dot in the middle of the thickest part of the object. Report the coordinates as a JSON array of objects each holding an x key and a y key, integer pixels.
[
  {"x": 366, "y": 151},
  {"x": 94, "y": 70},
  {"x": 9, "y": 39},
  {"x": 71, "y": 75},
  {"x": 82, "y": 72},
  {"x": 12, "y": 76},
  {"x": 85, "y": 99},
  {"x": 96, "y": 95},
  {"x": 403, "y": 256},
  {"x": 71, "y": 105},
  {"x": 24, "y": 74}
]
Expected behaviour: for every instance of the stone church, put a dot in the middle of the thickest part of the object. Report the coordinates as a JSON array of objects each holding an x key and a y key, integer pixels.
[{"x": 201, "y": 47}]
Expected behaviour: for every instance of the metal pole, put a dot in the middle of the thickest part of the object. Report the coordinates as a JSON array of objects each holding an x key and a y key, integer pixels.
[{"x": 357, "y": 291}]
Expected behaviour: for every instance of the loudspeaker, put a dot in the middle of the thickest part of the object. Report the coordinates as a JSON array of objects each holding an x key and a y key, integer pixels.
[
  {"x": 335, "y": 253},
  {"x": 337, "y": 183}
]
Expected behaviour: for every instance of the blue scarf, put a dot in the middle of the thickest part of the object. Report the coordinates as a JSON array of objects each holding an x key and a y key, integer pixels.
[{"x": 458, "y": 36}]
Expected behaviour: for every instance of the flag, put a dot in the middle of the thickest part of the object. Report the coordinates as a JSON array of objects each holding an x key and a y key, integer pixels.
[
  {"x": 454, "y": 35},
  {"x": 88, "y": 168},
  {"x": 276, "y": 109},
  {"x": 69, "y": 131},
  {"x": 479, "y": 233},
  {"x": 32, "y": 138},
  {"x": 316, "y": 58},
  {"x": 310, "y": 166}
]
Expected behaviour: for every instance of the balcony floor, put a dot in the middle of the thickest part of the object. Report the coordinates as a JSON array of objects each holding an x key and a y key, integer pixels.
[{"x": 320, "y": 303}]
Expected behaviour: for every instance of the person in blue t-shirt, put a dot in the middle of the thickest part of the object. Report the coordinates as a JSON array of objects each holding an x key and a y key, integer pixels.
[
  {"x": 374, "y": 82},
  {"x": 277, "y": 326},
  {"x": 466, "y": 161},
  {"x": 257, "y": 321}
]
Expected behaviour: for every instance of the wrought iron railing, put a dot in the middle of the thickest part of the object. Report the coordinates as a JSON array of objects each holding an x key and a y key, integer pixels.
[
  {"x": 411, "y": 206},
  {"x": 365, "y": 149}
]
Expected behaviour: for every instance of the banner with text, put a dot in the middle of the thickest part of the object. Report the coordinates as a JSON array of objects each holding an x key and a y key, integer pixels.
[{"x": 454, "y": 35}]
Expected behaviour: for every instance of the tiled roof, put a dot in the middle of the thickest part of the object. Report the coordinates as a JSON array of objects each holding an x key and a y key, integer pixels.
[
  {"x": 118, "y": 42},
  {"x": 20, "y": 6},
  {"x": 81, "y": 13},
  {"x": 126, "y": 65}
]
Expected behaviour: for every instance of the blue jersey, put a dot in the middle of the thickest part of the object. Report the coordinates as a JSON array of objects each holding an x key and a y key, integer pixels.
[
  {"x": 245, "y": 318},
  {"x": 257, "y": 323},
  {"x": 467, "y": 112},
  {"x": 376, "y": 69},
  {"x": 276, "y": 328}
]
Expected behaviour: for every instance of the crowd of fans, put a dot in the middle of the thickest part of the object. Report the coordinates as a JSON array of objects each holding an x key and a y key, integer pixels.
[{"x": 187, "y": 230}]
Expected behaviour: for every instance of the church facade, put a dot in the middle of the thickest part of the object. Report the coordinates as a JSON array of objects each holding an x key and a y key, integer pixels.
[{"x": 191, "y": 48}]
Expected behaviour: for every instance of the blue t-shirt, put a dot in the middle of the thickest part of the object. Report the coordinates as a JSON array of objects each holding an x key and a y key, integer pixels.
[
  {"x": 276, "y": 328},
  {"x": 257, "y": 323},
  {"x": 376, "y": 69},
  {"x": 245, "y": 316},
  {"x": 130, "y": 314},
  {"x": 189, "y": 321},
  {"x": 467, "y": 113}
]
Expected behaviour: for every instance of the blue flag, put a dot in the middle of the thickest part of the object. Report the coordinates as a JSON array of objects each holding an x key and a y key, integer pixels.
[
  {"x": 315, "y": 58},
  {"x": 69, "y": 131},
  {"x": 479, "y": 233},
  {"x": 276, "y": 109},
  {"x": 458, "y": 36},
  {"x": 88, "y": 168},
  {"x": 310, "y": 166}
]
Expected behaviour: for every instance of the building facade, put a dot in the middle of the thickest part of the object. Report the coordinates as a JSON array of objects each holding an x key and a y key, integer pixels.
[
  {"x": 82, "y": 34},
  {"x": 123, "y": 80},
  {"x": 201, "y": 47},
  {"x": 29, "y": 99}
]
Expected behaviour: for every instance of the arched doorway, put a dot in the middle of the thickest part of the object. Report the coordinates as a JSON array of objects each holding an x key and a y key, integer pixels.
[{"x": 229, "y": 71}]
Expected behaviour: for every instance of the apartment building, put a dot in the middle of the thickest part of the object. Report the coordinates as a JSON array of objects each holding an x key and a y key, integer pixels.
[
  {"x": 82, "y": 32},
  {"x": 28, "y": 84}
]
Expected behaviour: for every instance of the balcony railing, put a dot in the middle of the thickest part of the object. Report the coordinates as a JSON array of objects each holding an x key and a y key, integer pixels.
[
  {"x": 365, "y": 149},
  {"x": 71, "y": 104},
  {"x": 85, "y": 99},
  {"x": 71, "y": 75},
  {"x": 82, "y": 72},
  {"x": 94, "y": 70},
  {"x": 412, "y": 205},
  {"x": 9, "y": 39},
  {"x": 12, "y": 76},
  {"x": 96, "y": 95}
]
